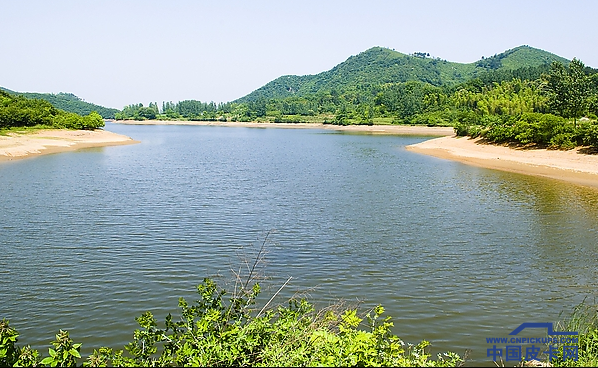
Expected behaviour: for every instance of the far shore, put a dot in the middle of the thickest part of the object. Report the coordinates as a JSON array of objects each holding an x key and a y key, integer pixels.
[
  {"x": 572, "y": 166},
  {"x": 373, "y": 129},
  {"x": 22, "y": 145}
]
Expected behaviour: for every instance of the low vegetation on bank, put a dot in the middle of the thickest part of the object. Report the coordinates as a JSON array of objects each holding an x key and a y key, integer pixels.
[
  {"x": 221, "y": 331},
  {"x": 22, "y": 112},
  {"x": 238, "y": 329},
  {"x": 584, "y": 320},
  {"x": 218, "y": 332},
  {"x": 556, "y": 111}
]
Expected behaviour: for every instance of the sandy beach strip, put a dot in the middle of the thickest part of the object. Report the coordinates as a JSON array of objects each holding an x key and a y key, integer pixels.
[
  {"x": 372, "y": 129},
  {"x": 21, "y": 145},
  {"x": 571, "y": 166}
]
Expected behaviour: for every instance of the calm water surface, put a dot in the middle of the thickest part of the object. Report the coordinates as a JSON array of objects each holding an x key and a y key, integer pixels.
[{"x": 91, "y": 239}]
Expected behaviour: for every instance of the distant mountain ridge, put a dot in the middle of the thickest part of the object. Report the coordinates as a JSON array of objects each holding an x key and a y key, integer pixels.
[
  {"x": 373, "y": 67},
  {"x": 380, "y": 65},
  {"x": 69, "y": 102}
]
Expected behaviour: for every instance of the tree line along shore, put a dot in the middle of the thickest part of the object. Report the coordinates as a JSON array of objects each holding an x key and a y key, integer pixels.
[
  {"x": 549, "y": 106},
  {"x": 524, "y": 96}
]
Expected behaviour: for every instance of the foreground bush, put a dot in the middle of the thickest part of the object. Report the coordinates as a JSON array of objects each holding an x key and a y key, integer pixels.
[{"x": 213, "y": 332}]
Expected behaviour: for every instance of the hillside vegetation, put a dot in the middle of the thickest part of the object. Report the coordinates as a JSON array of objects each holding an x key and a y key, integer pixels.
[
  {"x": 546, "y": 112},
  {"x": 69, "y": 102},
  {"x": 378, "y": 66},
  {"x": 18, "y": 111}
]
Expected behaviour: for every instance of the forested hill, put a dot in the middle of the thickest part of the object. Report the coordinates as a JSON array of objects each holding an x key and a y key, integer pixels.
[
  {"x": 17, "y": 111},
  {"x": 69, "y": 102},
  {"x": 379, "y": 65}
]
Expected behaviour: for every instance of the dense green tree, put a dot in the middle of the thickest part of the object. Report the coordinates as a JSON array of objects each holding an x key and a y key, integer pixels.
[
  {"x": 568, "y": 89},
  {"x": 147, "y": 113},
  {"x": 69, "y": 103},
  {"x": 507, "y": 98},
  {"x": 19, "y": 111}
]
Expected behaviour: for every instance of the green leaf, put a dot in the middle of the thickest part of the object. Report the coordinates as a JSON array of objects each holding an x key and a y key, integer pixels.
[
  {"x": 52, "y": 352},
  {"x": 74, "y": 352},
  {"x": 47, "y": 360}
]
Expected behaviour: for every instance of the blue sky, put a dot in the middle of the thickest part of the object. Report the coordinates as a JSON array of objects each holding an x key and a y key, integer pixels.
[{"x": 115, "y": 53}]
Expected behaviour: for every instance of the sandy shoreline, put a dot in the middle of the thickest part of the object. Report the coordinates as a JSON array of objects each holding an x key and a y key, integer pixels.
[
  {"x": 374, "y": 129},
  {"x": 571, "y": 166},
  {"x": 42, "y": 142}
]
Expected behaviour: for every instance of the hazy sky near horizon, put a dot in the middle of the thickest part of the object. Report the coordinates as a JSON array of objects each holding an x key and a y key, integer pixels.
[{"x": 116, "y": 53}]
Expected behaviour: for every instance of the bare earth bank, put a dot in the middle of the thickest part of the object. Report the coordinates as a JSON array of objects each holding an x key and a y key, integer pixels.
[
  {"x": 17, "y": 146},
  {"x": 571, "y": 166}
]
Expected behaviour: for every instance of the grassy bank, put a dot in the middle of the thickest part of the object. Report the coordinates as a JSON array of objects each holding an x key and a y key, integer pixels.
[{"x": 584, "y": 319}]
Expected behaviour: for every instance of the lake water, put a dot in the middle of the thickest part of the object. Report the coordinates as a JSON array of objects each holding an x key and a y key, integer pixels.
[{"x": 91, "y": 239}]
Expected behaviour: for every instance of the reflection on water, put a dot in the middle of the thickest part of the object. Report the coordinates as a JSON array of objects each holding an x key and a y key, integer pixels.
[{"x": 91, "y": 239}]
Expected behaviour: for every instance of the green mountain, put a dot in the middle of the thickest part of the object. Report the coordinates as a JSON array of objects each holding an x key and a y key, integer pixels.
[
  {"x": 379, "y": 65},
  {"x": 69, "y": 102}
]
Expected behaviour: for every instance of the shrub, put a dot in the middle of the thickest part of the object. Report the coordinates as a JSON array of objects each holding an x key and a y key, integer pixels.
[
  {"x": 436, "y": 118},
  {"x": 499, "y": 133},
  {"x": 563, "y": 141},
  {"x": 461, "y": 129},
  {"x": 532, "y": 128},
  {"x": 474, "y": 131},
  {"x": 539, "y": 128},
  {"x": 588, "y": 133},
  {"x": 341, "y": 118},
  {"x": 216, "y": 332}
]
